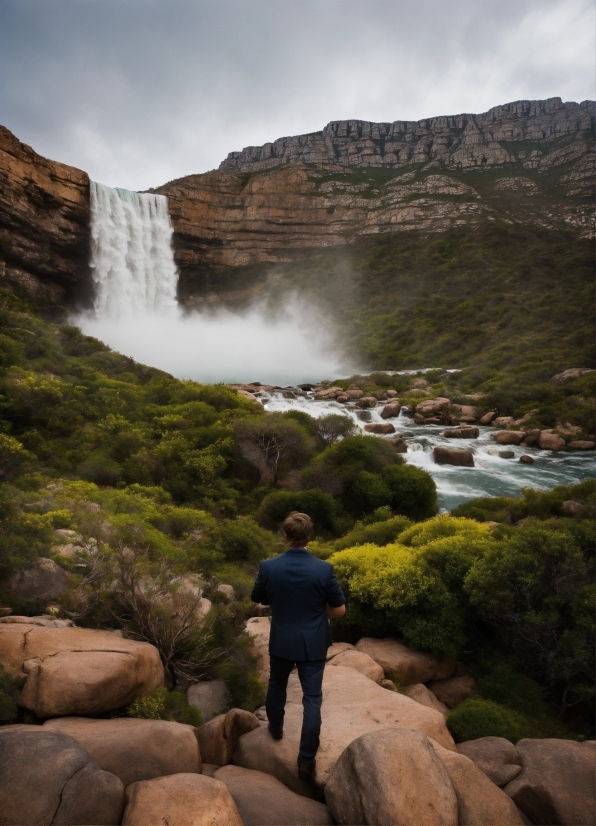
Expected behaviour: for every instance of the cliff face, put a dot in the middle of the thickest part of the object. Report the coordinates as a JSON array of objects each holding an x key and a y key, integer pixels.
[
  {"x": 44, "y": 225},
  {"x": 528, "y": 162}
]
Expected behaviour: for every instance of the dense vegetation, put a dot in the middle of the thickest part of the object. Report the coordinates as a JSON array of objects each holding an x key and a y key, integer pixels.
[{"x": 152, "y": 491}]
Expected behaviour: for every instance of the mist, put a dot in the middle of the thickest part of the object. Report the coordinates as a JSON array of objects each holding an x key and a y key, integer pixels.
[{"x": 294, "y": 344}]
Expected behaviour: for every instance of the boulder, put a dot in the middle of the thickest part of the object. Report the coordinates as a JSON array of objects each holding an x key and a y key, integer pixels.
[
  {"x": 550, "y": 441},
  {"x": 391, "y": 410},
  {"x": 389, "y": 685},
  {"x": 338, "y": 648},
  {"x": 180, "y": 800},
  {"x": 464, "y": 412},
  {"x": 556, "y": 783},
  {"x": 575, "y": 510},
  {"x": 488, "y": 417},
  {"x": 354, "y": 394},
  {"x": 342, "y": 398},
  {"x": 218, "y": 738},
  {"x": 47, "y": 777},
  {"x": 403, "y": 664},
  {"x": 366, "y": 402},
  {"x": 44, "y": 620},
  {"x": 526, "y": 460},
  {"x": 400, "y": 445},
  {"x": 262, "y": 800},
  {"x": 495, "y": 756},
  {"x": 573, "y": 373},
  {"x": 453, "y": 690},
  {"x": 361, "y": 662},
  {"x": 453, "y": 456},
  {"x": 380, "y": 428},
  {"x": 421, "y": 694},
  {"x": 77, "y": 671},
  {"x": 134, "y": 749},
  {"x": 210, "y": 697},
  {"x": 506, "y": 454},
  {"x": 391, "y": 777},
  {"x": 227, "y": 590},
  {"x": 479, "y": 801},
  {"x": 581, "y": 445},
  {"x": 44, "y": 580},
  {"x": 509, "y": 437},
  {"x": 503, "y": 421},
  {"x": 259, "y": 629},
  {"x": 352, "y": 705},
  {"x": 433, "y": 407},
  {"x": 462, "y": 433},
  {"x": 531, "y": 437}
]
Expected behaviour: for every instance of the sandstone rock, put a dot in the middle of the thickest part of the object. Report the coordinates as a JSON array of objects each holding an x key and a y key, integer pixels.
[
  {"x": 526, "y": 460},
  {"x": 49, "y": 778},
  {"x": 488, "y": 417},
  {"x": 262, "y": 800},
  {"x": 352, "y": 705},
  {"x": 338, "y": 648},
  {"x": 550, "y": 441},
  {"x": 391, "y": 777},
  {"x": 421, "y": 694},
  {"x": 403, "y": 664},
  {"x": 495, "y": 756},
  {"x": 531, "y": 437},
  {"x": 379, "y": 428},
  {"x": 342, "y": 398},
  {"x": 77, "y": 670},
  {"x": 209, "y": 769},
  {"x": 44, "y": 580},
  {"x": 44, "y": 620},
  {"x": 453, "y": 456},
  {"x": 581, "y": 445},
  {"x": 433, "y": 407},
  {"x": 361, "y": 662},
  {"x": 506, "y": 454},
  {"x": 400, "y": 445},
  {"x": 259, "y": 629},
  {"x": 556, "y": 784},
  {"x": 391, "y": 410},
  {"x": 503, "y": 421},
  {"x": 462, "y": 433},
  {"x": 134, "y": 749},
  {"x": 575, "y": 510},
  {"x": 354, "y": 394},
  {"x": 211, "y": 697},
  {"x": 479, "y": 801},
  {"x": 180, "y": 800},
  {"x": 228, "y": 590},
  {"x": 389, "y": 685},
  {"x": 509, "y": 437},
  {"x": 366, "y": 402},
  {"x": 572, "y": 373},
  {"x": 453, "y": 690},
  {"x": 218, "y": 738}
]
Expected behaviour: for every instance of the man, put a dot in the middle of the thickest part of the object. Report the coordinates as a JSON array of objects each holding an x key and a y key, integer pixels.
[{"x": 304, "y": 595}]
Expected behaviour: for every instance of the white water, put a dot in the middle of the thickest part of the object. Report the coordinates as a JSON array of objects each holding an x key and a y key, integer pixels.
[{"x": 136, "y": 312}]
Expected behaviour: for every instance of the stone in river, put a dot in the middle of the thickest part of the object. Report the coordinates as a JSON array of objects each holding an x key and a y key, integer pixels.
[
  {"x": 506, "y": 454},
  {"x": 453, "y": 456},
  {"x": 379, "y": 428},
  {"x": 526, "y": 460}
]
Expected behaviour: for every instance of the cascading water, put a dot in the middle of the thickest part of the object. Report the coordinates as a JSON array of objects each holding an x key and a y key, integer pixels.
[{"x": 131, "y": 253}]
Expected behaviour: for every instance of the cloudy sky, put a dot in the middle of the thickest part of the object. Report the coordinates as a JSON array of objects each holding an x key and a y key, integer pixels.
[{"x": 138, "y": 92}]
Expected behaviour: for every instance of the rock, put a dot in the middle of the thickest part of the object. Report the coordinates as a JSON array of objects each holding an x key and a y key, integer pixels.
[
  {"x": 211, "y": 697},
  {"x": 366, "y": 402},
  {"x": 421, "y": 694},
  {"x": 361, "y": 662},
  {"x": 403, "y": 664},
  {"x": 228, "y": 590},
  {"x": 432, "y": 407},
  {"x": 509, "y": 437},
  {"x": 556, "y": 783},
  {"x": 49, "y": 778},
  {"x": 419, "y": 384},
  {"x": 218, "y": 738},
  {"x": 262, "y": 800},
  {"x": 259, "y": 629},
  {"x": 354, "y": 394},
  {"x": 572, "y": 373},
  {"x": 134, "y": 749},
  {"x": 388, "y": 684},
  {"x": 531, "y": 437},
  {"x": 453, "y": 690},
  {"x": 479, "y": 801},
  {"x": 391, "y": 394},
  {"x": 77, "y": 671},
  {"x": 352, "y": 705},
  {"x": 44, "y": 580},
  {"x": 44, "y": 620},
  {"x": 503, "y": 421},
  {"x": 209, "y": 769},
  {"x": 400, "y": 445},
  {"x": 581, "y": 445},
  {"x": 488, "y": 417},
  {"x": 342, "y": 398},
  {"x": 453, "y": 456},
  {"x": 391, "y": 777},
  {"x": 462, "y": 433},
  {"x": 575, "y": 510},
  {"x": 380, "y": 429},
  {"x": 526, "y": 460},
  {"x": 506, "y": 454},
  {"x": 180, "y": 800},
  {"x": 495, "y": 756},
  {"x": 391, "y": 410},
  {"x": 338, "y": 648},
  {"x": 550, "y": 441}
]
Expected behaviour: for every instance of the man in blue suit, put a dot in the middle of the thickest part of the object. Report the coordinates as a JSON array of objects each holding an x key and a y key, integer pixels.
[{"x": 304, "y": 595}]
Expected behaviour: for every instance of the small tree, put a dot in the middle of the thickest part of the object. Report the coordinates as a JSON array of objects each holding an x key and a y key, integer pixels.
[
  {"x": 335, "y": 426},
  {"x": 269, "y": 441}
]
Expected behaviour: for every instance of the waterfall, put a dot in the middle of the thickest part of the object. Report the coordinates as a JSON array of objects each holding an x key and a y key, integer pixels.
[{"x": 132, "y": 259}]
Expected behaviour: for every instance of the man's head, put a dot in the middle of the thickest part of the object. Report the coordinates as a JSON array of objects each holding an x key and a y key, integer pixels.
[{"x": 298, "y": 529}]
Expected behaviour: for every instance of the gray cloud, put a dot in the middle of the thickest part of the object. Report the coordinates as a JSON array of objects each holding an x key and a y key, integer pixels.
[{"x": 138, "y": 92}]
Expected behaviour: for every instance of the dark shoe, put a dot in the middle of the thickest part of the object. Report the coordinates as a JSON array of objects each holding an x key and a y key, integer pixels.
[
  {"x": 277, "y": 735},
  {"x": 306, "y": 771}
]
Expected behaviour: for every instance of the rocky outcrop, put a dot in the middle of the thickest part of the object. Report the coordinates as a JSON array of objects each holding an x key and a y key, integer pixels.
[
  {"x": 45, "y": 580},
  {"x": 453, "y": 456},
  {"x": 210, "y": 697},
  {"x": 403, "y": 664},
  {"x": 495, "y": 756},
  {"x": 44, "y": 225},
  {"x": 218, "y": 738}
]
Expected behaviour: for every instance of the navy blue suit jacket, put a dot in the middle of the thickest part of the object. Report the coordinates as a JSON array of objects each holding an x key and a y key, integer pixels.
[{"x": 298, "y": 587}]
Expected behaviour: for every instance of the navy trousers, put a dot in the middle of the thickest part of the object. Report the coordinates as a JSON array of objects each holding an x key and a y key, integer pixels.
[{"x": 310, "y": 674}]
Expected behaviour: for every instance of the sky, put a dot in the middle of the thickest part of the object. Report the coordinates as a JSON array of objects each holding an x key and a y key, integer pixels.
[{"x": 138, "y": 92}]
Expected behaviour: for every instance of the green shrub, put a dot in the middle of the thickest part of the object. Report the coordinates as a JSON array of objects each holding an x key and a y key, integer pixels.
[
  {"x": 278, "y": 504},
  {"x": 377, "y": 533},
  {"x": 161, "y": 704},
  {"x": 413, "y": 492},
  {"x": 476, "y": 717},
  {"x": 10, "y": 688}
]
